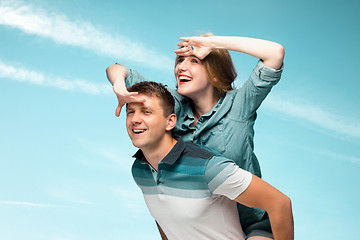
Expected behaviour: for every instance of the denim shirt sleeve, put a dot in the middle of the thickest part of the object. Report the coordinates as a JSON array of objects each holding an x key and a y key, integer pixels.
[
  {"x": 132, "y": 76},
  {"x": 252, "y": 93}
]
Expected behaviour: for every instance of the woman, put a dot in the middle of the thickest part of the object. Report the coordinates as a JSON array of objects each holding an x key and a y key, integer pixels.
[{"x": 210, "y": 112}]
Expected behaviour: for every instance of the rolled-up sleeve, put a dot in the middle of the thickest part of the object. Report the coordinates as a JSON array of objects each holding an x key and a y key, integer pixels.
[
  {"x": 132, "y": 76},
  {"x": 263, "y": 73},
  {"x": 252, "y": 93}
]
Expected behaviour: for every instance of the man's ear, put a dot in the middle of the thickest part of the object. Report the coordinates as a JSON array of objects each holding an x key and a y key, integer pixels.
[{"x": 171, "y": 122}]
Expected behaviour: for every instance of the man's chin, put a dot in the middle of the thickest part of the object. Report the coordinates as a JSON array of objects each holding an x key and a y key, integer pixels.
[{"x": 137, "y": 144}]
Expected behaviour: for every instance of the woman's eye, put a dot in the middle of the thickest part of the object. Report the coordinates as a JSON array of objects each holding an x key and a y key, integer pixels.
[
  {"x": 195, "y": 61},
  {"x": 180, "y": 60}
]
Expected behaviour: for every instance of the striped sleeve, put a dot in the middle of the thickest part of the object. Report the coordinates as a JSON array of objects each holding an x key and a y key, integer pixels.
[{"x": 226, "y": 178}]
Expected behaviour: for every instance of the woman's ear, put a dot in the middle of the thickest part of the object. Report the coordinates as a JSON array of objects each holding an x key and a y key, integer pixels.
[
  {"x": 215, "y": 79},
  {"x": 171, "y": 122}
]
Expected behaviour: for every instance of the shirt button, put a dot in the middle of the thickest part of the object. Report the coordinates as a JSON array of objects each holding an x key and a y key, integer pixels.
[
  {"x": 152, "y": 170},
  {"x": 158, "y": 181}
]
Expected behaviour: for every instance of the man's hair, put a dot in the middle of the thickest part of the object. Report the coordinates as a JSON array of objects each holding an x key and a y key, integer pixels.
[{"x": 158, "y": 90}]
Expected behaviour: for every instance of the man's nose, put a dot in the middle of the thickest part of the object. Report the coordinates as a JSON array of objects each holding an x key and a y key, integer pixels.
[{"x": 136, "y": 118}]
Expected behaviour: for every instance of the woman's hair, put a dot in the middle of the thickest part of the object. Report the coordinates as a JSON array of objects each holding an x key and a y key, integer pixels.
[
  {"x": 158, "y": 90},
  {"x": 219, "y": 68}
]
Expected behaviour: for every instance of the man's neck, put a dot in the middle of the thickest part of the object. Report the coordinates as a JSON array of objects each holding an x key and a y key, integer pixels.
[{"x": 158, "y": 153}]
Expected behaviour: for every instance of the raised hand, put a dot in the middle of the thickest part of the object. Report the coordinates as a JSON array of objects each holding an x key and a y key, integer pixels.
[
  {"x": 199, "y": 47},
  {"x": 124, "y": 97}
]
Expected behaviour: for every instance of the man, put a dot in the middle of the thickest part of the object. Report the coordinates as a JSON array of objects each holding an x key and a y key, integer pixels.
[{"x": 189, "y": 190}]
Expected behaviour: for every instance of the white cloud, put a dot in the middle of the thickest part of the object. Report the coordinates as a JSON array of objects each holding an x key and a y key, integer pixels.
[
  {"x": 338, "y": 156},
  {"x": 132, "y": 200},
  {"x": 28, "y": 204},
  {"x": 311, "y": 113},
  {"x": 26, "y": 75},
  {"x": 119, "y": 156},
  {"x": 83, "y": 34}
]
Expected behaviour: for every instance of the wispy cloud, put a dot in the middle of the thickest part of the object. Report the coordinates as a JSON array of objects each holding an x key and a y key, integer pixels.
[
  {"x": 59, "y": 28},
  {"x": 115, "y": 155},
  {"x": 315, "y": 150},
  {"x": 314, "y": 114},
  {"x": 25, "y": 75},
  {"x": 28, "y": 204},
  {"x": 342, "y": 157},
  {"x": 132, "y": 200}
]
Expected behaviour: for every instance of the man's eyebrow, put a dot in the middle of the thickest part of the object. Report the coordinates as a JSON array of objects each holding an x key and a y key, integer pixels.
[{"x": 147, "y": 108}]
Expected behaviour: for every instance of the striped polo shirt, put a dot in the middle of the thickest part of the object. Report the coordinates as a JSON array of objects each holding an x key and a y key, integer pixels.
[{"x": 190, "y": 196}]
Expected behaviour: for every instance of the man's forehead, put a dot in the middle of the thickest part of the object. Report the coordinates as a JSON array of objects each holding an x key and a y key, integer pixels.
[{"x": 150, "y": 101}]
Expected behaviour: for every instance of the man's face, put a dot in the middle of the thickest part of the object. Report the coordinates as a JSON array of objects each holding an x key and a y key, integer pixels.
[{"x": 146, "y": 123}]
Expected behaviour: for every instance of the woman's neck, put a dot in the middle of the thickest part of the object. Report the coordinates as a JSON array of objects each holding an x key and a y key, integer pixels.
[{"x": 204, "y": 104}]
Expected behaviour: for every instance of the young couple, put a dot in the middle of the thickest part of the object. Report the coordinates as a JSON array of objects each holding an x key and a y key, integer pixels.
[{"x": 181, "y": 180}]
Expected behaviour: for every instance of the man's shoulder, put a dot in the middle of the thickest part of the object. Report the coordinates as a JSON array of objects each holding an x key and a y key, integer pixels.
[{"x": 198, "y": 151}]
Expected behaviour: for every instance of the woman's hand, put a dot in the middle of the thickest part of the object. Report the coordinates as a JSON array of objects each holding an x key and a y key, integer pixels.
[
  {"x": 271, "y": 53},
  {"x": 116, "y": 75},
  {"x": 199, "y": 47},
  {"x": 124, "y": 97}
]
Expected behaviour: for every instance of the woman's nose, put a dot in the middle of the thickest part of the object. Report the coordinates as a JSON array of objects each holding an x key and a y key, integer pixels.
[{"x": 183, "y": 65}]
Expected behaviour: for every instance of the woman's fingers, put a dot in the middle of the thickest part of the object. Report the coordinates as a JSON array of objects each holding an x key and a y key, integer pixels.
[
  {"x": 125, "y": 98},
  {"x": 118, "y": 110},
  {"x": 183, "y": 50}
]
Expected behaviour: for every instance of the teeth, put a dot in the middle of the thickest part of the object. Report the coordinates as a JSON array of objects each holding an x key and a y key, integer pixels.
[
  {"x": 184, "y": 78},
  {"x": 138, "y": 131}
]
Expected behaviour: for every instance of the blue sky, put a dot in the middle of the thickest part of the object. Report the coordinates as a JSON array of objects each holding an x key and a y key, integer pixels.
[{"x": 65, "y": 157}]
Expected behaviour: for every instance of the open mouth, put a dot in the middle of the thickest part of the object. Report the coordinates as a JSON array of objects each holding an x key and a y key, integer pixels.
[
  {"x": 184, "y": 79},
  {"x": 138, "y": 131}
]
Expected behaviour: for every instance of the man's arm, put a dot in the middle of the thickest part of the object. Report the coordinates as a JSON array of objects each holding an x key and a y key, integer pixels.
[{"x": 260, "y": 194}]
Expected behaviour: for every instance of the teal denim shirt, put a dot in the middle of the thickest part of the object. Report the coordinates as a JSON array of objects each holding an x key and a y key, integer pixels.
[{"x": 229, "y": 127}]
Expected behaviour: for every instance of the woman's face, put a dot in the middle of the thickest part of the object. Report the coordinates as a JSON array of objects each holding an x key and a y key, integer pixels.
[{"x": 191, "y": 77}]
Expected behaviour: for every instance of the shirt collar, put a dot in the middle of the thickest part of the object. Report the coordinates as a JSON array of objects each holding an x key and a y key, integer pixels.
[
  {"x": 170, "y": 158},
  {"x": 190, "y": 114}
]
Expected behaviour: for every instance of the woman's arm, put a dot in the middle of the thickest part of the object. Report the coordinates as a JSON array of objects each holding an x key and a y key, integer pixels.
[
  {"x": 162, "y": 234},
  {"x": 271, "y": 53},
  {"x": 116, "y": 74}
]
